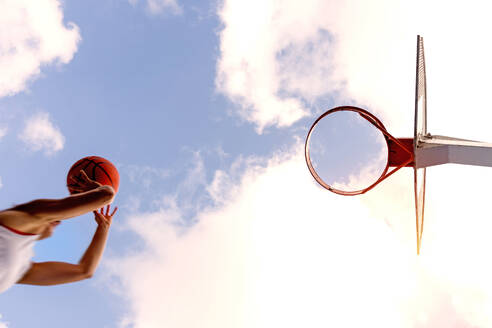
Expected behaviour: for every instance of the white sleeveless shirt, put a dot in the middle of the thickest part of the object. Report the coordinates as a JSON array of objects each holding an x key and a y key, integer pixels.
[{"x": 16, "y": 252}]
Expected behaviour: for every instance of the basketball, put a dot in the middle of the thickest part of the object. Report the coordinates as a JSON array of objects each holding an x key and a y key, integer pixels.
[{"x": 96, "y": 168}]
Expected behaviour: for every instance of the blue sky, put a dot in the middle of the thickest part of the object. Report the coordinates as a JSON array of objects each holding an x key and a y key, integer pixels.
[
  {"x": 140, "y": 91},
  {"x": 203, "y": 107}
]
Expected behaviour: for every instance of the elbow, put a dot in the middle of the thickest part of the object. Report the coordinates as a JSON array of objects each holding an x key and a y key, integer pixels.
[
  {"x": 107, "y": 194},
  {"x": 87, "y": 274},
  {"x": 85, "y": 270}
]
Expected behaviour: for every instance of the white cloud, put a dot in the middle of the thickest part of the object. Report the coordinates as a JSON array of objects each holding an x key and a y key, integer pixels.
[
  {"x": 1, "y": 184},
  {"x": 40, "y": 134},
  {"x": 3, "y": 324},
  {"x": 277, "y": 250},
  {"x": 33, "y": 34},
  {"x": 277, "y": 58},
  {"x": 3, "y": 132},
  {"x": 156, "y": 7},
  {"x": 145, "y": 175},
  {"x": 253, "y": 47}
]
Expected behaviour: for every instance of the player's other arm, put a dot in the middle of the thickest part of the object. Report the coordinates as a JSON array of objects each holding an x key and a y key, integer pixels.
[
  {"x": 92, "y": 195},
  {"x": 69, "y": 207},
  {"x": 56, "y": 273}
]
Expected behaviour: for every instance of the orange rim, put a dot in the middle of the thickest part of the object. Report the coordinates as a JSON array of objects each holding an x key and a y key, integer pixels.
[{"x": 379, "y": 125}]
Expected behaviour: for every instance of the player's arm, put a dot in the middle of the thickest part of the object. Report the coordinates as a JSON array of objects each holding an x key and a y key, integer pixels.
[
  {"x": 92, "y": 195},
  {"x": 56, "y": 273}
]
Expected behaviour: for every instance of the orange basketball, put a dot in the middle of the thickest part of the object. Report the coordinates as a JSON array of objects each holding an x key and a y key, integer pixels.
[{"x": 96, "y": 168}]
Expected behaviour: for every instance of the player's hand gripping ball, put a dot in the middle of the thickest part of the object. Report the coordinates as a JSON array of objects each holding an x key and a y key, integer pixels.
[{"x": 97, "y": 169}]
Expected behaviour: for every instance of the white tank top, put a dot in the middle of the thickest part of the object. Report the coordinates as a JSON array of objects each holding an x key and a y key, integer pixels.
[{"x": 16, "y": 252}]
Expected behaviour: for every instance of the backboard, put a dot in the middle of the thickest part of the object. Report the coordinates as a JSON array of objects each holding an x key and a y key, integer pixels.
[
  {"x": 421, "y": 151},
  {"x": 420, "y": 130}
]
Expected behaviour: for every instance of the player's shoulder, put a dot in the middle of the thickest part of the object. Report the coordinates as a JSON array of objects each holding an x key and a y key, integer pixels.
[
  {"x": 32, "y": 209},
  {"x": 16, "y": 218},
  {"x": 8, "y": 214}
]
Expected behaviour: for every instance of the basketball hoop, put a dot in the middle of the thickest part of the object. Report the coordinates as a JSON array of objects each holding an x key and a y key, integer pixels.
[{"x": 400, "y": 150}]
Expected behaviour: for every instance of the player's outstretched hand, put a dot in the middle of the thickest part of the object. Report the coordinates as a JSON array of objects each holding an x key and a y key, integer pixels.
[
  {"x": 82, "y": 183},
  {"x": 103, "y": 218}
]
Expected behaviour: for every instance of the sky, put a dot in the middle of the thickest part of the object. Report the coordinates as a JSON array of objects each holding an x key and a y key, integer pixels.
[{"x": 204, "y": 106}]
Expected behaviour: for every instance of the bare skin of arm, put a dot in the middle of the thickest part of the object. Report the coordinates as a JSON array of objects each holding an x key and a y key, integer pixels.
[
  {"x": 32, "y": 217},
  {"x": 55, "y": 273}
]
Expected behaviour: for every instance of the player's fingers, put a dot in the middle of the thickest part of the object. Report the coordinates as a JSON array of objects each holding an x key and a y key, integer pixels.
[
  {"x": 96, "y": 215},
  {"x": 84, "y": 176},
  {"x": 74, "y": 187},
  {"x": 77, "y": 179},
  {"x": 114, "y": 211},
  {"x": 107, "y": 210}
]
